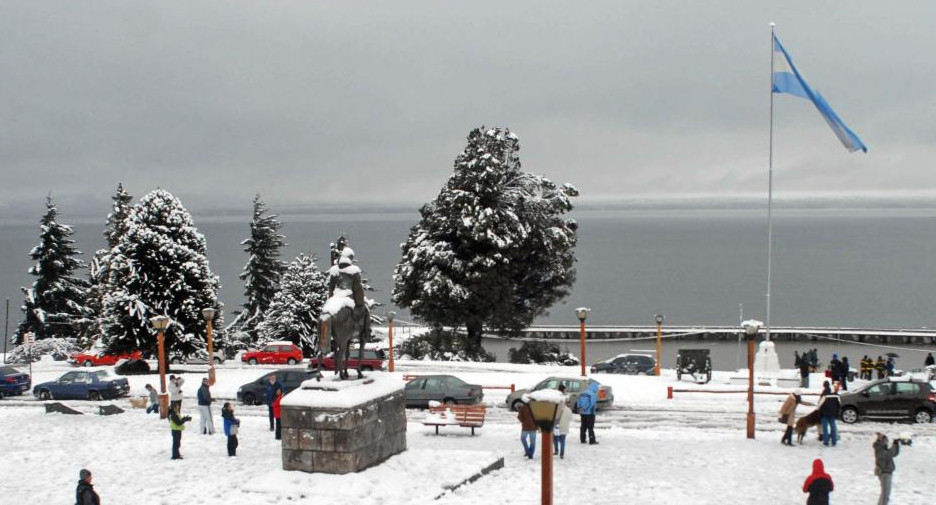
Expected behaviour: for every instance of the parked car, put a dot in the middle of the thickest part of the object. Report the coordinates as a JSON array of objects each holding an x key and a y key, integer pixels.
[
  {"x": 132, "y": 367},
  {"x": 575, "y": 386},
  {"x": 200, "y": 357},
  {"x": 891, "y": 398},
  {"x": 101, "y": 358},
  {"x": 275, "y": 353},
  {"x": 373, "y": 360},
  {"x": 13, "y": 382},
  {"x": 81, "y": 384},
  {"x": 632, "y": 364},
  {"x": 254, "y": 392},
  {"x": 441, "y": 388}
]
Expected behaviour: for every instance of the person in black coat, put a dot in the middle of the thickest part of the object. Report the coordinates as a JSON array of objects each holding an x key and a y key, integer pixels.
[
  {"x": 84, "y": 493},
  {"x": 828, "y": 412},
  {"x": 930, "y": 360},
  {"x": 843, "y": 373},
  {"x": 818, "y": 485},
  {"x": 271, "y": 387}
]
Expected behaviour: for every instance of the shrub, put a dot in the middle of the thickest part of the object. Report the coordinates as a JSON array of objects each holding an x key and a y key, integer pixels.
[
  {"x": 441, "y": 345},
  {"x": 59, "y": 348},
  {"x": 542, "y": 353}
]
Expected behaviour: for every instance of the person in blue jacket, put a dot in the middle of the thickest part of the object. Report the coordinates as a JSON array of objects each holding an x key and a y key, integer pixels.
[
  {"x": 271, "y": 388},
  {"x": 587, "y": 405},
  {"x": 231, "y": 427}
]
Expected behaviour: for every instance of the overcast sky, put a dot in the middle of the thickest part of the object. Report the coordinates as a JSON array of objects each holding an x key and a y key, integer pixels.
[{"x": 311, "y": 102}]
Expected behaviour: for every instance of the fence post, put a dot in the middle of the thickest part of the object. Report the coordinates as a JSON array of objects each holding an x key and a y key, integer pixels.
[{"x": 669, "y": 392}]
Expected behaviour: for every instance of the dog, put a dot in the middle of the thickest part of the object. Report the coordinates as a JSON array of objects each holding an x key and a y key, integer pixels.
[
  {"x": 804, "y": 423},
  {"x": 138, "y": 403}
]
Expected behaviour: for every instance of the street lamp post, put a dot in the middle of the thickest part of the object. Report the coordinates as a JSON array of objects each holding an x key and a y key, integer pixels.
[
  {"x": 751, "y": 328},
  {"x": 209, "y": 314},
  {"x": 659, "y": 322},
  {"x": 390, "y": 315},
  {"x": 582, "y": 312},
  {"x": 160, "y": 323},
  {"x": 544, "y": 414}
]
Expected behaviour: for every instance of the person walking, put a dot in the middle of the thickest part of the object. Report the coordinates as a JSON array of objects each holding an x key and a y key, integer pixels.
[
  {"x": 271, "y": 387},
  {"x": 844, "y": 370},
  {"x": 206, "y": 423},
  {"x": 277, "y": 413},
  {"x": 84, "y": 493},
  {"x": 175, "y": 392},
  {"x": 788, "y": 414},
  {"x": 153, "y": 399},
  {"x": 231, "y": 427},
  {"x": 561, "y": 430},
  {"x": 804, "y": 372},
  {"x": 176, "y": 425},
  {"x": 527, "y": 428},
  {"x": 587, "y": 406},
  {"x": 818, "y": 485},
  {"x": 884, "y": 465},
  {"x": 828, "y": 412}
]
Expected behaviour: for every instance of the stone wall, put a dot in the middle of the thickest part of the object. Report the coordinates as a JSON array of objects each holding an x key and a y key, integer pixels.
[{"x": 343, "y": 440}]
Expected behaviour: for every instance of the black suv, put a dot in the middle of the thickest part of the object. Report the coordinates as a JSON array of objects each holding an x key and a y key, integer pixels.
[
  {"x": 632, "y": 364},
  {"x": 892, "y": 399}
]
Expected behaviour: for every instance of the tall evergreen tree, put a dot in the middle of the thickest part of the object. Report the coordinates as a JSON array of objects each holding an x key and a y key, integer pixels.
[
  {"x": 492, "y": 248},
  {"x": 158, "y": 267},
  {"x": 55, "y": 304},
  {"x": 294, "y": 313},
  {"x": 261, "y": 274},
  {"x": 114, "y": 228}
]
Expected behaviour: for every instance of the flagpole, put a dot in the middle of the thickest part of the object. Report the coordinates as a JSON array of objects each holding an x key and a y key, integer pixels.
[{"x": 770, "y": 186}]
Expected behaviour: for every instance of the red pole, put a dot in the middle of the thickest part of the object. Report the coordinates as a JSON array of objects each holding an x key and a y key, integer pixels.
[
  {"x": 547, "y": 489},
  {"x": 669, "y": 392},
  {"x": 390, "y": 331},
  {"x": 163, "y": 396},
  {"x": 750, "y": 392},
  {"x": 582, "y": 342}
]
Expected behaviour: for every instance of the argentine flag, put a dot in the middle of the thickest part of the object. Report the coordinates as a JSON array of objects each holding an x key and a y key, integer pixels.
[{"x": 786, "y": 79}]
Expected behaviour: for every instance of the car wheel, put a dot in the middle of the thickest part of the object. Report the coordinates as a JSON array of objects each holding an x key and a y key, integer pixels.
[
  {"x": 94, "y": 396},
  {"x": 850, "y": 415},
  {"x": 86, "y": 363},
  {"x": 515, "y": 406},
  {"x": 250, "y": 399},
  {"x": 449, "y": 401},
  {"x": 641, "y": 373},
  {"x": 174, "y": 361},
  {"x": 217, "y": 360},
  {"x": 45, "y": 395},
  {"x": 291, "y": 361},
  {"x": 252, "y": 361},
  {"x": 367, "y": 368},
  {"x": 923, "y": 416}
]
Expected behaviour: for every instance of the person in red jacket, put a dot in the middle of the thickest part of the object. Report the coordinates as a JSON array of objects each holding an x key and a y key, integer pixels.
[
  {"x": 276, "y": 413},
  {"x": 818, "y": 485}
]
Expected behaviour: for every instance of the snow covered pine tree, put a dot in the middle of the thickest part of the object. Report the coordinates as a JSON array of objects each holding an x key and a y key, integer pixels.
[
  {"x": 492, "y": 248},
  {"x": 261, "y": 276},
  {"x": 158, "y": 267},
  {"x": 55, "y": 304},
  {"x": 294, "y": 312}
]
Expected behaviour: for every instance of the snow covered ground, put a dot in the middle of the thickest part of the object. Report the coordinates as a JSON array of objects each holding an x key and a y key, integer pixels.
[{"x": 691, "y": 449}]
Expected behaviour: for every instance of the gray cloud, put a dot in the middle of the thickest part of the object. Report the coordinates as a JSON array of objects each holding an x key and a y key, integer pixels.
[{"x": 323, "y": 102}]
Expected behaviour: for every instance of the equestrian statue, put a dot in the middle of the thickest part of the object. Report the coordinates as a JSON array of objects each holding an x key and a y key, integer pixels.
[{"x": 346, "y": 313}]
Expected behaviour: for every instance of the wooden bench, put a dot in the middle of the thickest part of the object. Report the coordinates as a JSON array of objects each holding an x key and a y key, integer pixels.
[{"x": 466, "y": 416}]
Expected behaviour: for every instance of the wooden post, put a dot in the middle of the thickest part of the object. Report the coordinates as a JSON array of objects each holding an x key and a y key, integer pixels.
[
  {"x": 582, "y": 343},
  {"x": 163, "y": 396},
  {"x": 211, "y": 368},
  {"x": 750, "y": 393},
  {"x": 547, "y": 487},
  {"x": 390, "y": 337}
]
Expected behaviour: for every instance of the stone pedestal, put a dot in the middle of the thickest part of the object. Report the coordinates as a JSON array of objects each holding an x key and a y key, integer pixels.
[{"x": 343, "y": 426}]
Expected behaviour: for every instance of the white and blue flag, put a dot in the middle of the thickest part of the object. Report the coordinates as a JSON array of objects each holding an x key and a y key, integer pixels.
[{"x": 786, "y": 79}]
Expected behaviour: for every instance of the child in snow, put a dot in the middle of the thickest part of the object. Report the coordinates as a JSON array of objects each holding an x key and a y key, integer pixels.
[
  {"x": 153, "y": 398},
  {"x": 231, "y": 427},
  {"x": 818, "y": 485},
  {"x": 277, "y": 412}
]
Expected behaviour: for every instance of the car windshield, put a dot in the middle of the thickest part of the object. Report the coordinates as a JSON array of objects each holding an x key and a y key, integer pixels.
[{"x": 8, "y": 370}]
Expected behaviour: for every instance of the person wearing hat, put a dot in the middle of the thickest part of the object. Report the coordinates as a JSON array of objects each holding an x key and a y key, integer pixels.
[
  {"x": 84, "y": 494},
  {"x": 788, "y": 414},
  {"x": 206, "y": 423}
]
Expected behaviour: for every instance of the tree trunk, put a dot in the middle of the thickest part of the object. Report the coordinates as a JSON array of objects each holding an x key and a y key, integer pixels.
[{"x": 473, "y": 339}]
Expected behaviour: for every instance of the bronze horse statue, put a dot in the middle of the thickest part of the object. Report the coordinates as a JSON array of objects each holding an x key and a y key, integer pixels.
[{"x": 345, "y": 314}]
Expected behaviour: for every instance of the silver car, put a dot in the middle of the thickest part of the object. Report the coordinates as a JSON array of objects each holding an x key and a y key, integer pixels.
[{"x": 574, "y": 387}]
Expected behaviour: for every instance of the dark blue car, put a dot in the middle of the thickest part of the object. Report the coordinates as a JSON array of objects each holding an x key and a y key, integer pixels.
[
  {"x": 83, "y": 385},
  {"x": 12, "y": 382}
]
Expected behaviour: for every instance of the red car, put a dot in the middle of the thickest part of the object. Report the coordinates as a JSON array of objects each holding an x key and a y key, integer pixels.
[
  {"x": 101, "y": 359},
  {"x": 276, "y": 353},
  {"x": 373, "y": 360}
]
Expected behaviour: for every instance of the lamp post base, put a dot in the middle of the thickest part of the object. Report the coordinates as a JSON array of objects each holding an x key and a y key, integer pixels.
[
  {"x": 163, "y": 406},
  {"x": 750, "y": 425}
]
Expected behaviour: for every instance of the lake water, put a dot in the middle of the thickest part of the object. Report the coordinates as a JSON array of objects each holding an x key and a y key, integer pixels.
[{"x": 856, "y": 268}]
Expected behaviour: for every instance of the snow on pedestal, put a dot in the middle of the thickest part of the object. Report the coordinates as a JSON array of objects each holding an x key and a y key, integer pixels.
[{"x": 334, "y": 426}]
